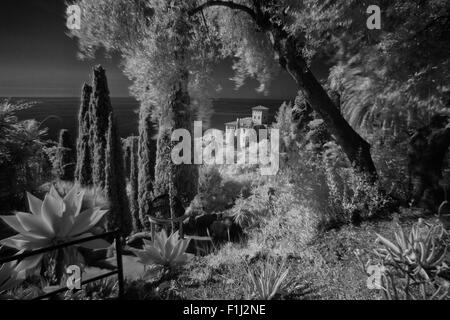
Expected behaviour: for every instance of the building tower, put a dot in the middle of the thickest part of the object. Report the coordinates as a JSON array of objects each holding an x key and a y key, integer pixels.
[{"x": 260, "y": 115}]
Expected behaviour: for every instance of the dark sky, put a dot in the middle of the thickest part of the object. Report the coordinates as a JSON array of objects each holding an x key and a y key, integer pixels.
[{"x": 38, "y": 59}]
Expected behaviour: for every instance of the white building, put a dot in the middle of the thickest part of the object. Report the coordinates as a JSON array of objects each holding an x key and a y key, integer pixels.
[{"x": 258, "y": 120}]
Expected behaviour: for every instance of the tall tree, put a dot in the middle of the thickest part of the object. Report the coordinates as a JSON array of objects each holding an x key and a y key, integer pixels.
[
  {"x": 163, "y": 162},
  {"x": 100, "y": 109},
  {"x": 83, "y": 172},
  {"x": 65, "y": 157},
  {"x": 115, "y": 183},
  {"x": 146, "y": 154},
  {"x": 127, "y": 146},
  {"x": 134, "y": 183}
]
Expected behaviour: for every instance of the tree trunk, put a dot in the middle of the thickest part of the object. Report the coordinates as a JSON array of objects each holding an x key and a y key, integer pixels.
[
  {"x": 426, "y": 154},
  {"x": 353, "y": 145}
]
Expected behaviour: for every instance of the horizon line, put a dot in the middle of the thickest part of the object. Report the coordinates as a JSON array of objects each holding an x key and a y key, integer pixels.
[{"x": 130, "y": 97}]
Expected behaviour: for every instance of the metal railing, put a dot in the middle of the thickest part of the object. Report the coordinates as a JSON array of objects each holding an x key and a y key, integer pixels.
[{"x": 118, "y": 271}]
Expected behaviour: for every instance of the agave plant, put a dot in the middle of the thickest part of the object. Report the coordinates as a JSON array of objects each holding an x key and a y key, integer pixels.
[
  {"x": 414, "y": 265},
  {"x": 9, "y": 278},
  {"x": 93, "y": 196},
  {"x": 268, "y": 280},
  {"x": 422, "y": 252},
  {"x": 163, "y": 251},
  {"x": 52, "y": 221}
]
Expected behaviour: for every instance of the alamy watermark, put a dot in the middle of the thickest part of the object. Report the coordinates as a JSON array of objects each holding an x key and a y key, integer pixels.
[
  {"x": 374, "y": 281},
  {"x": 74, "y": 277},
  {"x": 74, "y": 17},
  {"x": 374, "y": 20},
  {"x": 232, "y": 147}
]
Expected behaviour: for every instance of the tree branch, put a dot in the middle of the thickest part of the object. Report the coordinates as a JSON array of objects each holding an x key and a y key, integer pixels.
[{"x": 228, "y": 4}]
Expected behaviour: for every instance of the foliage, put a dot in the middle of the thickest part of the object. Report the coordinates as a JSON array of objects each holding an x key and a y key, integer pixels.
[
  {"x": 249, "y": 212},
  {"x": 134, "y": 185},
  {"x": 146, "y": 37},
  {"x": 100, "y": 110},
  {"x": 285, "y": 123},
  {"x": 52, "y": 221},
  {"x": 83, "y": 171},
  {"x": 268, "y": 281},
  {"x": 413, "y": 264},
  {"x": 146, "y": 164},
  {"x": 352, "y": 194},
  {"x": 119, "y": 216},
  {"x": 389, "y": 152},
  {"x": 218, "y": 190},
  {"x": 23, "y": 162},
  {"x": 98, "y": 290},
  {"x": 285, "y": 233},
  {"x": 65, "y": 162},
  {"x": 400, "y": 75},
  {"x": 93, "y": 197},
  {"x": 163, "y": 162},
  {"x": 9, "y": 278},
  {"x": 163, "y": 251},
  {"x": 320, "y": 175}
]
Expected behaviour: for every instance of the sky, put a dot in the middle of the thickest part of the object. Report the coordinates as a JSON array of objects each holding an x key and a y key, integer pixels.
[{"x": 38, "y": 59}]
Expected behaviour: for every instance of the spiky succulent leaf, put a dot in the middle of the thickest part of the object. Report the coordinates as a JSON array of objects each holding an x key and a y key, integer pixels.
[{"x": 9, "y": 277}]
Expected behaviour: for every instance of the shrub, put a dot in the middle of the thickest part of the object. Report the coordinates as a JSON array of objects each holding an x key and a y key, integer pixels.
[
  {"x": 218, "y": 191},
  {"x": 103, "y": 289},
  {"x": 268, "y": 281},
  {"x": 389, "y": 153},
  {"x": 287, "y": 233},
  {"x": 351, "y": 194}
]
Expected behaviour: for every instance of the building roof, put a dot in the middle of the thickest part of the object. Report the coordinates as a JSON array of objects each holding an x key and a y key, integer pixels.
[
  {"x": 243, "y": 123},
  {"x": 260, "y": 108}
]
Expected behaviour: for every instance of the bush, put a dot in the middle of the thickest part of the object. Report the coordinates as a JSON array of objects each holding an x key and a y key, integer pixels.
[
  {"x": 218, "y": 191},
  {"x": 353, "y": 195},
  {"x": 268, "y": 281}
]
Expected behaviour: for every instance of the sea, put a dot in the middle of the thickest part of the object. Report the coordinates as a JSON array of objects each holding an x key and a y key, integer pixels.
[{"x": 62, "y": 113}]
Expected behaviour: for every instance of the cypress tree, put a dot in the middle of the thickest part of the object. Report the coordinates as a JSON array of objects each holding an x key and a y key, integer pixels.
[
  {"x": 115, "y": 182},
  {"x": 163, "y": 161},
  {"x": 100, "y": 110},
  {"x": 145, "y": 164},
  {"x": 65, "y": 162},
  {"x": 134, "y": 185},
  {"x": 176, "y": 180},
  {"x": 83, "y": 172},
  {"x": 127, "y": 145}
]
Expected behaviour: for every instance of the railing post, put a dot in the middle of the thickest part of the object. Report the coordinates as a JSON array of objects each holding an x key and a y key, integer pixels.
[{"x": 119, "y": 264}]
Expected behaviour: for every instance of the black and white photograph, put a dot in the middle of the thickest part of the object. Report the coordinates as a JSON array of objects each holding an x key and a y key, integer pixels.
[{"x": 252, "y": 152}]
